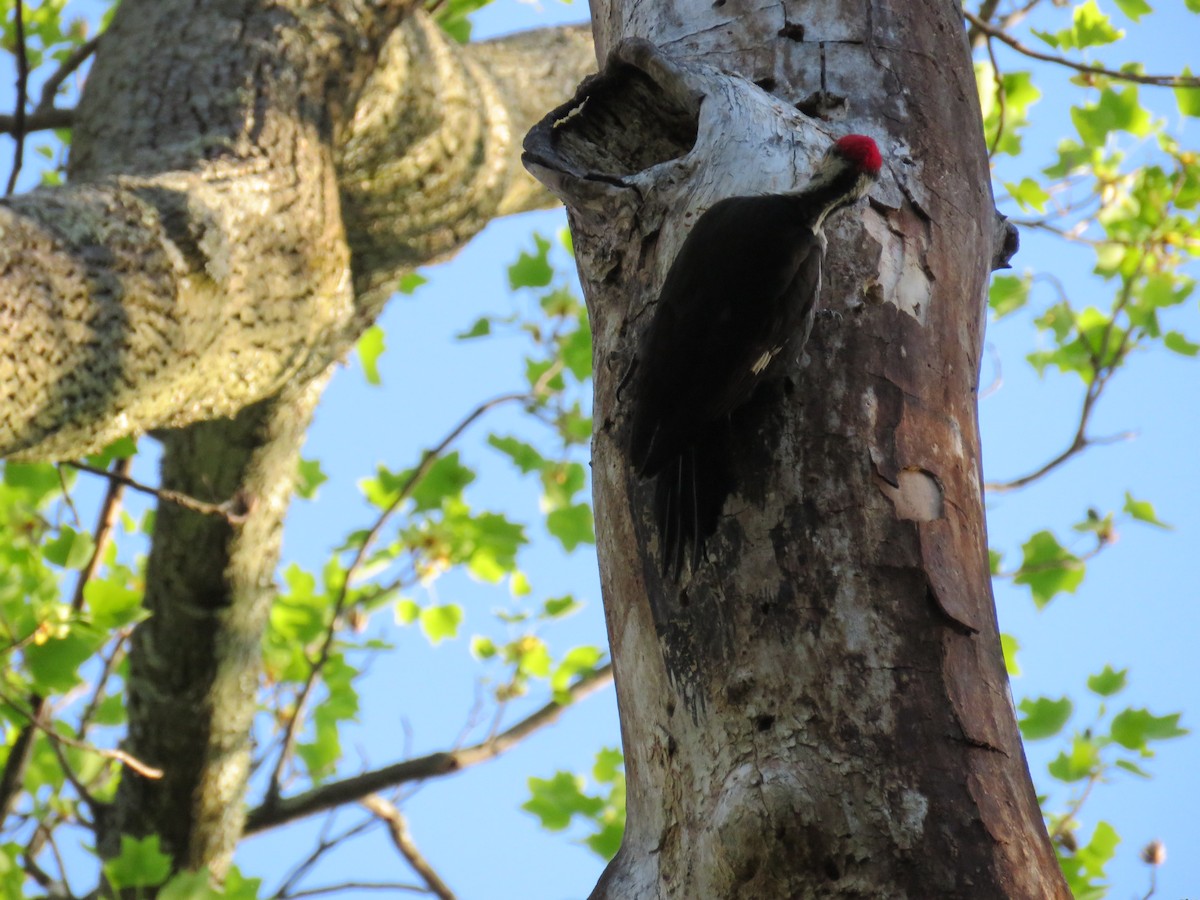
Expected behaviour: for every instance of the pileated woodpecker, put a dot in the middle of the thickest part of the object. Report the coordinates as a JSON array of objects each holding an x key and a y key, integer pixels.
[{"x": 744, "y": 285}]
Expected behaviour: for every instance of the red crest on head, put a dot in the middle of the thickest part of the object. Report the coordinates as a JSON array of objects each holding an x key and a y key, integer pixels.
[{"x": 860, "y": 150}]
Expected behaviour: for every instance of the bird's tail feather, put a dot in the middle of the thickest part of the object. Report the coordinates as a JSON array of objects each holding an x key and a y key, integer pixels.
[{"x": 689, "y": 494}]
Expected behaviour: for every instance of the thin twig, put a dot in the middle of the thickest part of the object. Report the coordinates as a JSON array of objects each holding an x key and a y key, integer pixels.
[
  {"x": 233, "y": 511},
  {"x": 325, "y": 843},
  {"x": 74, "y": 60},
  {"x": 110, "y": 665},
  {"x": 1102, "y": 372},
  {"x": 328, "y": 796},
  {"x": 114, "y": 754},
  {"x": 109, "y": 510},
  {"x": 1156, "y": 80},
  {"x": 402, "y": 838},
  {"x": 359, "y": 886},
  {"x": 22, "y": 97},
  {"x": 427, "y": 461},
  {"x": 1000, "y": 97}
]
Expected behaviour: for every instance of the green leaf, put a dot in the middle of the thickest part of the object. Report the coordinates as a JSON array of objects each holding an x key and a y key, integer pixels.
[
  {"x": 1134, "y": 9},
  {"x": 1029, "y": 194},
  {"x": 370, "y": 348},
  {"x": 1043, "y": 717},
  {"x": 407, "y": 611},
  {"x": 139, "y": 864},
  {"x": 1188, "y": 98},
  {"x": 560, "y": 606},
  {"x": 1048, "y": 568},
  {"x": 1082, "y": 762},
  {"x": 483, "y": 647},
  {"x": 321, "y": 752},
  {"x": 190, "y": 886},
  {"x": 441, "y": 622},
  {"x": 1089, "y": 28},
  {"x": 577, "y": 351},
  {"x": 481, "y": 328},
  {"x": 121, "y": 448},
  {"x": 1177, "y": 343},
  {"x": 519, "y": 586},
  {"x": 572, "y": 526},
  {"x": 446, "y": 478},
  {"x": 71, "y": 549},
  {"x": 578, "y": 661},
  {"x": 609, "y": 762},
  {"x": 1135, "y": 728},
  {"x": 39, "y": 481},
  {"x": 1133, "y": 767},
  {"x": 532, "y": 657},
  {"x": 54, "y": 663},
  {"x": 1143, "y": 511},
  {"x": 1115, "y": 111},
  {"x": 112, "y": 604},
  {"x": 995, "y": 558},
  {"x": 524, "y": 456},
  {"x": 239, "y": 887},
  {"x": 607, "y": 841},
  {"x": 1099, "y": 850},
  {"x": 309, "y": 477},
  {"x": 410, "y": 281},
  {"x": 1008, "y": 293},
  {"x": 556, "y": 800},
  {"x": 1009, "y": 646},
  {"x": 532, "y": 270},
  {"x": 1108, "y": 682}
]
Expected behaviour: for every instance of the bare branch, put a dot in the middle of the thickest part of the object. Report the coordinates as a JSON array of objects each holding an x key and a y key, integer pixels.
[
  {"x": 114, "y": 754},
  {"x": 39, "y": 120},
  {"x": 22, "y": 96},
  {"x": 402, "y": 838},
  {"x": 109, "y": 510},
  {"x": 359, "y": 886},
  {"x": 336, "y": 793},
  {"x": 1156, "y": 80},
  {"x": 77, "y": 58},
  {"x": 234, "y": 511}
]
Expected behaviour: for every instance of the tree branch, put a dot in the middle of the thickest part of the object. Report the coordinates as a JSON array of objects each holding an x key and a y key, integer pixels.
[
  {"x": 406, "y": 489},
  {"x": 402, "y": 838},
  {"x": 421, "y": 768},
  {"x": 74, "y": 60},
  {"x": 22, "y": 96},
  {"x": 1005, "y": 38},
  {"x": 233, "y": 511}
]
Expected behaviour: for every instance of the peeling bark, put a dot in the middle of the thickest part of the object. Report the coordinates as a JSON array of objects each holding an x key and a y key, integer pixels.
[{"x": 821, "y": 708}]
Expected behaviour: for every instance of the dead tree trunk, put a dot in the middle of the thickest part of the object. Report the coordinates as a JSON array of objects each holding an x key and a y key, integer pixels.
[{"x": 821, "y": 708}]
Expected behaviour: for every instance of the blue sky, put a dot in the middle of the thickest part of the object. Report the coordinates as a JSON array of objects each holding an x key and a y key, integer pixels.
[{"x": 1137, "y": 607}]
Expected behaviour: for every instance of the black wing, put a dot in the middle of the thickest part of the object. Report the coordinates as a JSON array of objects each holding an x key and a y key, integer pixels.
[{"x": 744, "y": 284}]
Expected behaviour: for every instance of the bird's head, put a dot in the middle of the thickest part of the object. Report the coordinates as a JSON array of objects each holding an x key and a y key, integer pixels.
[
  {"x": 858, "y": 152},
  {"x": 845, "y": 173}
]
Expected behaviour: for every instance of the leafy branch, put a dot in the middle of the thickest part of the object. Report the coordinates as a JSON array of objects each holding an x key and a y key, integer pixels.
[
  {"x": 288, "y": 809},
  {"x": 1175, "y": 81}
]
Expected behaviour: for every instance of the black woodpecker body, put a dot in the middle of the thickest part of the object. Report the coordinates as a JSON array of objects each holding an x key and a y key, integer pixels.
[{"x": 744, "y": 285}]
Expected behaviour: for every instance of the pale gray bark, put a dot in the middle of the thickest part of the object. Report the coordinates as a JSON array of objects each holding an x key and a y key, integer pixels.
[{"x": 821, "y": 708}]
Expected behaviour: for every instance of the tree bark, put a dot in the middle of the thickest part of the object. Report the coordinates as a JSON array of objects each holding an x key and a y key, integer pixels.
[
  {"x": 821, "y": 708},
  {"x": 233, "y": 222},
  {"x": 248, "y": 181}
]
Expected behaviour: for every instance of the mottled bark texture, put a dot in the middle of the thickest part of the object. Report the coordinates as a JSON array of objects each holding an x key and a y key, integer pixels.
[
  {"x": 248, "y": 180},
  {"x": 820, "y": 709}
]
